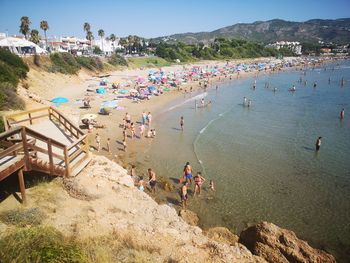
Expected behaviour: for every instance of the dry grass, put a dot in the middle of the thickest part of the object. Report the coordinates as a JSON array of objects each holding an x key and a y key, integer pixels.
[{"x": 23, "y": 217}]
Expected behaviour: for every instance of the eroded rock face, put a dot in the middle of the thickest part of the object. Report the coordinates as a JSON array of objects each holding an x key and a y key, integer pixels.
[
  {"x": 278, "y": 245},
  {"x": 222, "y": 234},
  {"x": 189, "y": 217}
]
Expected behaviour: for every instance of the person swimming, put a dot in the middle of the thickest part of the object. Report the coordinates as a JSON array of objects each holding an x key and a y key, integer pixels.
[{"x": 318, "y": 144}]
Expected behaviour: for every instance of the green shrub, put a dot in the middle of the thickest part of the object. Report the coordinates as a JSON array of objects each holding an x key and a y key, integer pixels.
[
  {"x": 7, "y": 74},
  {"x": 9, "y": 98},
  {"x": 117, "y": 60},
  {"x": 97, "y": 50},
  {"x": 64, "y": 63},
  {"x": 90, "y": 63},
  {"x": 39, "y": 244},
  {"x": 15, "y": 62}
]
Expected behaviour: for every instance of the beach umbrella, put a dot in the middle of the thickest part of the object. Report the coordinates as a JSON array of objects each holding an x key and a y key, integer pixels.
[
  {"x": 59, "y": 100},
  {"x": 89, "y": 116}
]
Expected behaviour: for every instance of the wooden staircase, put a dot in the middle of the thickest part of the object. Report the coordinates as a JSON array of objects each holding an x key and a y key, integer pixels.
[{"x": 22, "y": 148}]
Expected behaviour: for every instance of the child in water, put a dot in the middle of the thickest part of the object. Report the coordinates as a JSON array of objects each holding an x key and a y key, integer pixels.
[{"x": 211, "y": 185}]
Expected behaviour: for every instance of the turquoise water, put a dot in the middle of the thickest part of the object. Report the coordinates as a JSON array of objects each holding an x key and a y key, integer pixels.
[{"x": 262, "y": 158}]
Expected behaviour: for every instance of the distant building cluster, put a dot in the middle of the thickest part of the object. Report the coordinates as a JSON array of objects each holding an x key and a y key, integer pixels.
[
  {"x": 294, "y": 46},
  {"x": 74, "y": 45}
]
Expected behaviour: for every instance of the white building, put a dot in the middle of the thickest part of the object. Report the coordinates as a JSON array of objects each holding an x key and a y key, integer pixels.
[
  {"x": 106, "y": 45},
  {"x": 295, "y": 46}
]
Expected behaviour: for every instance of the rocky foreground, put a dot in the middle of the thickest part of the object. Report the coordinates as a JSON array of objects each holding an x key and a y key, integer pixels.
[{"x": 103, "y": 201}]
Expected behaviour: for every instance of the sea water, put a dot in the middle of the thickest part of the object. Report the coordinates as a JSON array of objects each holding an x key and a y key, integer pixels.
[{"x": 262, "y": 158}]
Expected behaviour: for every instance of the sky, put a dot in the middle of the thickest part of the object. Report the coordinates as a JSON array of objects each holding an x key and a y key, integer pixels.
[{"x": 153, "y": 18}]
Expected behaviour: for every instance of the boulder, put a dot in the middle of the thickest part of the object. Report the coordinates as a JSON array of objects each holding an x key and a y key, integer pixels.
[
  {"x": 222, "y": 235},
  {"x": 189, "y": 217},
  {"x": 279, "y": 245}
]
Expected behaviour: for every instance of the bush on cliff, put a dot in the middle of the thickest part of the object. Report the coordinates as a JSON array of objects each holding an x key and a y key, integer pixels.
[
  {"x": 12, "y": 69},
  {"x": 9, "y": 98},
  {"x": 91, "y": 63},
  {"x": 117, "y": 60},
  {"x": 64, "y": 63},
  {"x": 17, "y": 65}
]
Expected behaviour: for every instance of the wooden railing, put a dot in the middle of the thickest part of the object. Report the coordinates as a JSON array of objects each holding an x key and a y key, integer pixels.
[{"x": 53, "y": 149}]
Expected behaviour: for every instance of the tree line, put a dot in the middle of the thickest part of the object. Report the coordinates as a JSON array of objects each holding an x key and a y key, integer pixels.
[{"x": 220, "y": 48}]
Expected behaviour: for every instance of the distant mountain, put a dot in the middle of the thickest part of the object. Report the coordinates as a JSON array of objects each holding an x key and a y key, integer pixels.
[{"x": 336, "y": 31}]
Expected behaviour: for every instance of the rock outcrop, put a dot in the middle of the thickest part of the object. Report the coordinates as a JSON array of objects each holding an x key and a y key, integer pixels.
[
  {"x": 278, "y": 245},
  {"x": 222, "y": 234},
  {"x": 189, "y": 217}
]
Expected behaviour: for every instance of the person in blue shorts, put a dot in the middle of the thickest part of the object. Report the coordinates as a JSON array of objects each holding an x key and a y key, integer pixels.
[{"x": 188, "y": 173}]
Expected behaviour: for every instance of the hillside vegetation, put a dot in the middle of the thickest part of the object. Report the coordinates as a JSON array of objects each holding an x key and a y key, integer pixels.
[{"x": 221, "y": 48}]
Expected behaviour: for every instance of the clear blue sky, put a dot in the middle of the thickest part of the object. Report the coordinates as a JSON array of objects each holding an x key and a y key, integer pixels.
[{"x": 152, "y": 18}]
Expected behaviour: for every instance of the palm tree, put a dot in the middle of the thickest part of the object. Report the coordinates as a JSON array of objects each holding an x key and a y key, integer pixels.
[
  {"x": 87, "y": 29},
  {"x": 123, "y": 42},
  {"x": 44, "y": 26},
  {"x": 24, "y": 27},
  {"x": 34, "y": 36},
  {"x": 112, "y": 38},
  {"x": 130, "y": 42},
  {"x": 101, "y": 34}
]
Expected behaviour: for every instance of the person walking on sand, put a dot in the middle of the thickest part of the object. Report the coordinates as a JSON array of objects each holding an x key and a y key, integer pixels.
[
  {"x": 188, "y": 172},
  {"x": 184, "y": 195},
  {"x": 98, "y": 142},
  {"x": 182, "y": 123},
  {"x": 149, "y": 119},
  {"x": 198, "y": 180},
  {"x": 342, "y": 114},
  {"x": 108, "y": 145},
  {"x": 152, "y": 180},
  {"x": 132, "y": 130},
  {"x": 142, "y": 130},
  {"x": 318, "y": 144},
  {"x": 144, "y": 118}
]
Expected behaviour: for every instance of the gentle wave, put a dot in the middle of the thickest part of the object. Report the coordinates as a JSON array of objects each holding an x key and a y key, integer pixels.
[
  {"x": 201, "y": 132},
  {"x": 197, "y": 97}
]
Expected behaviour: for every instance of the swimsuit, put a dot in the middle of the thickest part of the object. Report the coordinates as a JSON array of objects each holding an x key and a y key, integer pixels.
[
  {"x": 152, "y": 183},
  {"x": 141, "y": 188},
  {"x": 188, "y": 176}
]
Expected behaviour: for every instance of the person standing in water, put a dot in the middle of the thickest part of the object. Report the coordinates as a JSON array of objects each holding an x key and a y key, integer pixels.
[
  {"x": 188, "y": 172},
  {"x": 199, "y": 180},
  {"x": 244, "y": 101},
  {"x": 152, "y": 180},
  {"x": 184, "y": 195},
  {"x": 182, "y": 123},
  {"x": 318, "y": 144},
  {"x": 249, "y": 103},
  {"x": 342, "y": 114}
]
